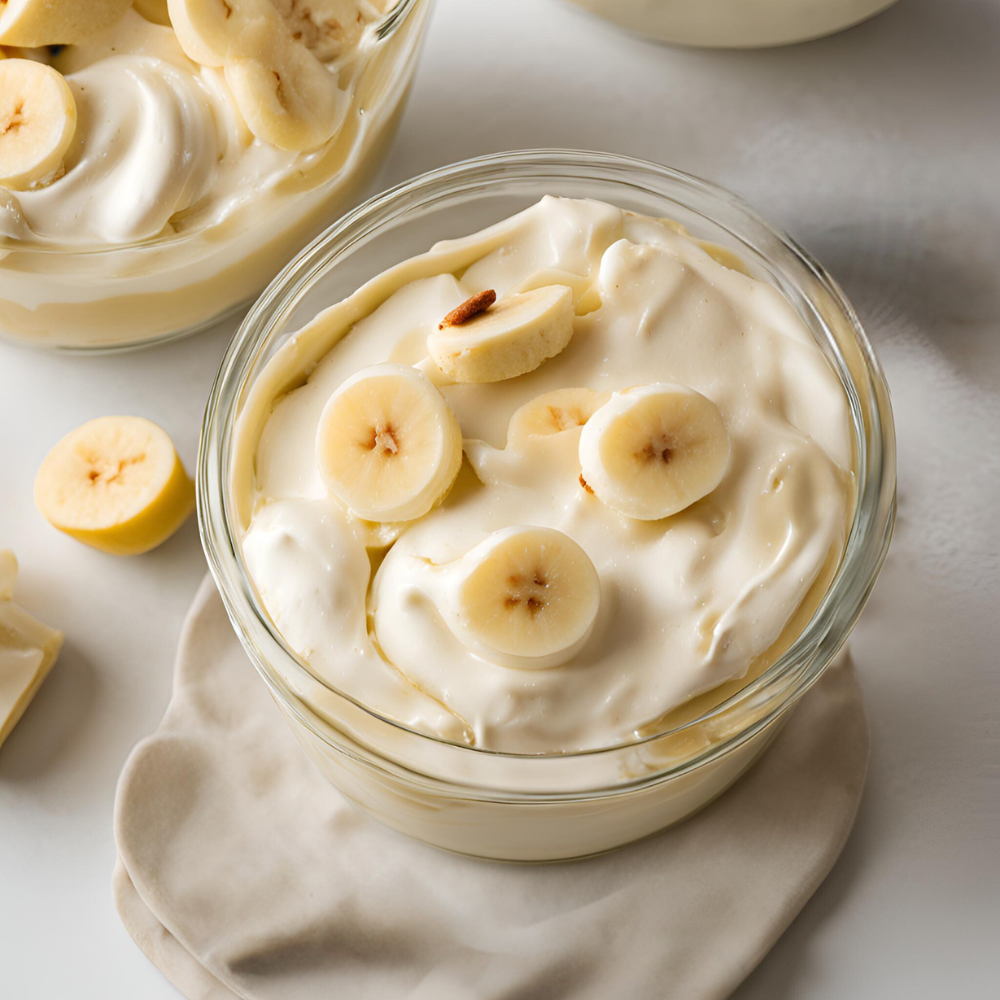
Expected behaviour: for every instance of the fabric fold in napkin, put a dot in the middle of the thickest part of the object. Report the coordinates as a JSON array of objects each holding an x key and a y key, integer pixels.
[{"x": 242, "y": 873}]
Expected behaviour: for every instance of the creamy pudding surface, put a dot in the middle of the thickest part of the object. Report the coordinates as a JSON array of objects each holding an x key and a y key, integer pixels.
[{"x": 561, "y": 520}]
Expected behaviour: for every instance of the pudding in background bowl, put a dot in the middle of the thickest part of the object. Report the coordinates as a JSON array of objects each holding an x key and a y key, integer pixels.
[
  {"x": 537, "y": 535},
  {"x": 202, "y": 157},
  {"x": 737, "y": 24}
]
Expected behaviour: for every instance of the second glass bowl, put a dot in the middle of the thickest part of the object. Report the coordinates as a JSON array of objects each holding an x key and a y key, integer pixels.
[
  {"x": 133, "y": 295},
  {"x": 537, "y": 807}
]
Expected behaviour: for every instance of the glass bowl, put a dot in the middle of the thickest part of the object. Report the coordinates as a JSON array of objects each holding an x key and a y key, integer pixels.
[
  {"x": 111, "y": 298},
  {"x": 735, "y": 24},
  {"x": 537, "y": 807}
]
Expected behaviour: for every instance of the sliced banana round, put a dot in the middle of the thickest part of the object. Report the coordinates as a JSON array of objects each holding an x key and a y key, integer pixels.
[
  {"x": 653, "y": 450},
  {"x": 388, "y": 445},
  {"x": 31, "y": 24},
  {"x": 117, "y": 484},
  {"x": 37, "y": 123},
  {"x": 555, "y": 412},
  {"x": 509, "y": 338},
  {"x": 274, "y": 53},
  {"x": 525, "y": 597}
]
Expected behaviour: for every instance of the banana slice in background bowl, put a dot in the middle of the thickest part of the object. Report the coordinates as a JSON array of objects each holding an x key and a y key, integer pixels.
[
  {"x": 37, "y": 123},
  {"x": 31, "y": 24}
]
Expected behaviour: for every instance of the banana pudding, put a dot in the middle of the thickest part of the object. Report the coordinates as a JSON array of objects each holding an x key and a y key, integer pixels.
[
  {"x": 159, "y": 162},
  {"x": 547, "y": 489}
]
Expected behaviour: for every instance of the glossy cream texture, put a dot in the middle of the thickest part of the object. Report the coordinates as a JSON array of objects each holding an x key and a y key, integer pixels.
[
  {"x": 159, "y": 147},
  {"x": 687, "y": 603}
]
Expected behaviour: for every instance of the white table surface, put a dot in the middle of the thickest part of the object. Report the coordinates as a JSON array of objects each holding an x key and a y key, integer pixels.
[{"x": 879, "y": 150}]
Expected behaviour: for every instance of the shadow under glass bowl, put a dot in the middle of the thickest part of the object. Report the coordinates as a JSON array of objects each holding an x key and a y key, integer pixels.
[
  {"x": 538, "y": 807},
  {"x": 127, "y": 296}
]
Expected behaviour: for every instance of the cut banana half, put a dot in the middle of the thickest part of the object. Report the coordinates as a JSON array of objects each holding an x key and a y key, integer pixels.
[
  {"x": 526, "y": 597},
  {"x": 116, "y": 484},
  {"x": 31, "y": 24},
  {"x": 37, "y": 123},
  {"x": 651, "y": 451},
  {"x": 388, "y": 445},
  {"x": 555, "y": 412},
  {"x": 509, "y": 338},
  {"x": 274, "y": 54}
]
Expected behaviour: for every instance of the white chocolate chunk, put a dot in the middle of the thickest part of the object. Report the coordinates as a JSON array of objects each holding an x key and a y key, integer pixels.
[{"x": 28, "y": 649}]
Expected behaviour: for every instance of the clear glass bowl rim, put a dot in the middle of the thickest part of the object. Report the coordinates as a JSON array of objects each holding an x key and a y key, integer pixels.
[
  {"x": 783, "y": 683},
  {"x": 383, "y": 30}
]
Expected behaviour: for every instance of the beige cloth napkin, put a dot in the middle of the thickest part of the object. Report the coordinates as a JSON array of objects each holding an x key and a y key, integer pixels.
[{"x": 242, "y": 873}]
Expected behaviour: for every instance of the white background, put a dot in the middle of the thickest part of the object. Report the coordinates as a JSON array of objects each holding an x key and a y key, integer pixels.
[{"x": 879, "y": 150}]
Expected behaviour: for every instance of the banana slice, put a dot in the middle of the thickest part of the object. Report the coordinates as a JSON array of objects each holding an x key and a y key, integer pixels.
[
  {"x": 525, "y": 597},
  {"x": 388, "y": 445},
  {"x": 153, "y": 10},
  {"x": 274, "y": 53},
  {"x": 510, "y": 338},
  {"x": 30, "y": 24},
  {"x": 555, "y": 412},
  {"x": 653, "y": 450},
  {"x": 117, "y": 484},
  {"x": 37, "y": 123}
]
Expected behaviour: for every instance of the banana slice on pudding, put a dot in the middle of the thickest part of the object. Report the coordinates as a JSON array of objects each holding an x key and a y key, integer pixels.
[
  {"x": 653, "y": 450},
  {"x": 274, "y": 52},
  {"x": 37, "y": 123},
  {"x": 525, "y": 597},
  {"x": 484, "y": 340},
  {"x": 555, "y": 412},
  {"x": 30, "y": 24},
  {"x": 116, "y": 484},
  {"x": 388, "y": 445}
]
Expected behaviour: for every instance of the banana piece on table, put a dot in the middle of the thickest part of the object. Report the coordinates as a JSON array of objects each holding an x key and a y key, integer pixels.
[
  {"x": 116, "y": 484},
  {"x": 37, "y": 123},
  {"x": 274, "y": 54},
  {"x": 388, "y": 445},
  {"x": 153, "y": 10},
  {"x": 525, "y": 597},
  {"x": 30, "y": 24},
  {"x": 653, "y": 450},
  {"x": 485, "y": 340},
  {"x": 28, "y": 649}
]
